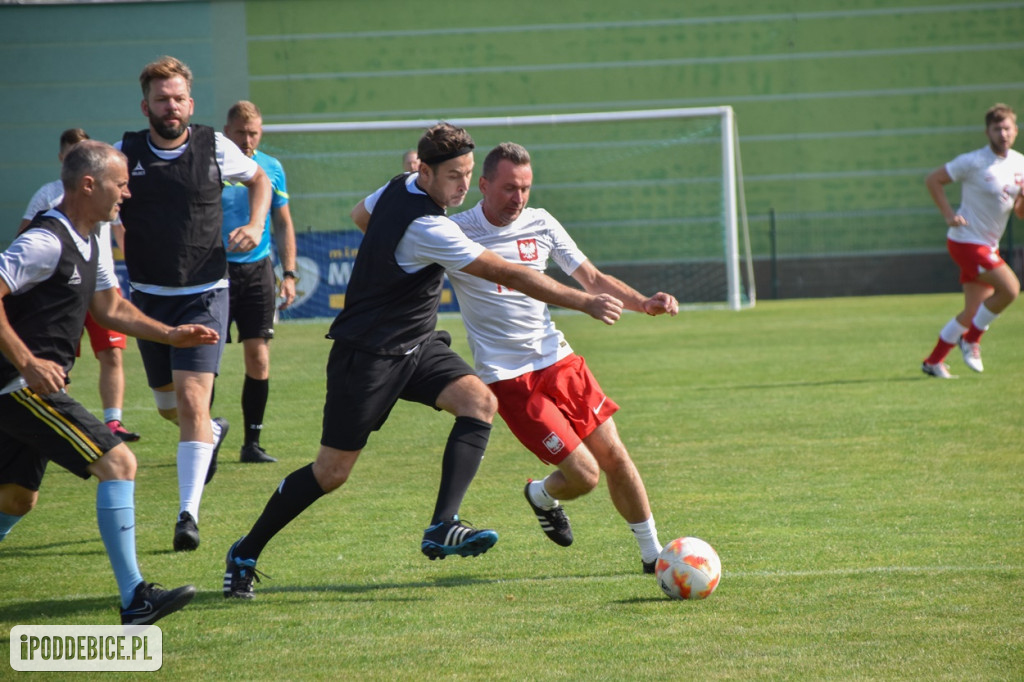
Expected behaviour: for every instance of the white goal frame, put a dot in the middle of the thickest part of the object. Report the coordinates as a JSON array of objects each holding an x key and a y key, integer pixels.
[{"x": 732, "y": 175}]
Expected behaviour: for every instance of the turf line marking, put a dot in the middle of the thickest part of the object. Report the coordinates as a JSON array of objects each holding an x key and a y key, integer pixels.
[
  {"x": 646, "y": 23},
  {"x": 482, "y": 581},
  {"x": 454, "y": 115},
  {"x": 646, "y": 63},
  {"x": 874, "y": 569}
]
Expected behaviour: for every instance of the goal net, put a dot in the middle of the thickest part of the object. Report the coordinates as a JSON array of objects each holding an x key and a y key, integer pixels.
[{"x": 654, "y": 197}]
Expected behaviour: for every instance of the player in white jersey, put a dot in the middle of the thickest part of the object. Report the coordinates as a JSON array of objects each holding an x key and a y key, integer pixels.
[
  {"x": 546, "y": 394},
  {"x": 107, "y": 345},
  {"x": 991, "y": 179},
  {"x": 386, "y": 349}
]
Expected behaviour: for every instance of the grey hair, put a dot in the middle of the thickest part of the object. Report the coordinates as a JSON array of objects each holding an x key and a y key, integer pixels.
[{"x": 88, "y": 157}]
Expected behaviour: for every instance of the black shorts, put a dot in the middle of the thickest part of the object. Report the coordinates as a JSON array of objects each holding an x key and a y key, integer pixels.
[
  {"x": 253, "y": 299},
  {"x": 209, "y": 308},
  {"x": 363, "y": 387},
  {"x": 35, "y": 429}
]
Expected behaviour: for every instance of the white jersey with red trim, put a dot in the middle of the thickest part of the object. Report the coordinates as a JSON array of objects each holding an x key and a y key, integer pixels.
[
  {"x": 510, "y": 333},
  {"x": 989, "y": 186}
]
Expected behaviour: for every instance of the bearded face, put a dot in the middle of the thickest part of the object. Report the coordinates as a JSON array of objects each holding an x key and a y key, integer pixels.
[
  {"x": 169, "y": 107},
  {"x": 169, "y": 127}
]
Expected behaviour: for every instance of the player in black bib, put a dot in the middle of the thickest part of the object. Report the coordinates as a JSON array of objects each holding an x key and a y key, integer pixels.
[
  {"x": 386, "y": 348},
  {"x": 177, "y": 263},
  {"x": 49, "y": 278}
]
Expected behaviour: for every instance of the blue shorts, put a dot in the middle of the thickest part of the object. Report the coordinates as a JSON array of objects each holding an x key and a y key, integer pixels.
[{"x": 209, "y": 308}]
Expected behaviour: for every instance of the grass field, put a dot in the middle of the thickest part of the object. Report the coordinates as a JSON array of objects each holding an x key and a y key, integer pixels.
[{"x": 868, "y": 518}]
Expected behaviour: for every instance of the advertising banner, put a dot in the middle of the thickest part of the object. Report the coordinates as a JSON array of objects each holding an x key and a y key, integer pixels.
[{"x": 324, "y": 265}]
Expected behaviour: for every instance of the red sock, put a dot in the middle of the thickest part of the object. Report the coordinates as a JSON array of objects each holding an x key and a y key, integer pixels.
[
  {"x": 939, "y": 353},
  {"x": 973, "y": 334}
]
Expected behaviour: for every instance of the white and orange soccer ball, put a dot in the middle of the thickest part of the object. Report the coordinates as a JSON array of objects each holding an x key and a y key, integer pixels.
[{"x": 688, "y": 568}]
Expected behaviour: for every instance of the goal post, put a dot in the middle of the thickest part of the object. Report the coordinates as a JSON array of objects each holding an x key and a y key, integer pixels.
[{"x": 652, "y": 196}]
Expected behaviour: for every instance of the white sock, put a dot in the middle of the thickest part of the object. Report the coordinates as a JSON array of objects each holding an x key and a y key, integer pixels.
[
  {"x": 952, "y": 332},
  {"x": 984, "y": 317},
  {"x": 539, "y": 495},
  {"x": 193, "y": 461},
  {"x": 111, "y": 414},
  {"x": 646, "y": 535}
]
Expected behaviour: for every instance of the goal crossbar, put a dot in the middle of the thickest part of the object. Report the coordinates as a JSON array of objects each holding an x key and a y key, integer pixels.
[{"x": 735, "y": 217}]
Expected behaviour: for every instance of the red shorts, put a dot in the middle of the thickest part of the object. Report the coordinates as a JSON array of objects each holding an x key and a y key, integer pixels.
[
  {"x": 973, "y": 259},
  {"x": 102, "y": 339},
  {"x": 553, "y": 409}
]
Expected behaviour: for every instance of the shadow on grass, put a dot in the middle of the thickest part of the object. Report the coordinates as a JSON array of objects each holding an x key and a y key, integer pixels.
[
  {"x": 57, "y": 549},
  {"x": 646, "y": 600},
  {"x": 146, "y": 462},
  {"x": 57, "y": 610},
  {"x": 343, "y": 588},
  {"x": 380, "y": 589},
  {"x": 61, "y": 610}
]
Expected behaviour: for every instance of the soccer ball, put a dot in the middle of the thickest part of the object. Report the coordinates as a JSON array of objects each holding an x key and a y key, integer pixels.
[{"x": 688, "y": 568}]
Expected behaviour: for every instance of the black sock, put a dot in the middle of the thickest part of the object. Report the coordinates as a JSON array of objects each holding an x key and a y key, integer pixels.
[
  {"x": 254, "y": 405},
  {"x": 462, "y": 456},
  {"x": 297, "y": 491}
]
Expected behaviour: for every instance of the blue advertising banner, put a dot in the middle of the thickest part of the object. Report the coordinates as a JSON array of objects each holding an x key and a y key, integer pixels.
[{"x": 324, "y": 264}]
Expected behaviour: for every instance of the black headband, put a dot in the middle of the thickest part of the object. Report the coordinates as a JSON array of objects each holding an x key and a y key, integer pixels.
[{"x": 440, "y": 158}]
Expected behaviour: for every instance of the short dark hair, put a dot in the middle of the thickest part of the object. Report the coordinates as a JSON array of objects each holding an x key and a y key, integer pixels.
[
  {"x": 71, "y": 136},
  {"x": 442, "y": 142},
  {"x": 506, "y": 151},
  {"x": 998, "y": 113},
  {"x": 163, "y": 68}
]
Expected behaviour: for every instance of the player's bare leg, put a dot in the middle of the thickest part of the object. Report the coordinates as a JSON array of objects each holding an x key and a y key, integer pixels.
[
  {"x": 579, "y": 473},
  {"x": 111, "y": 385},
  {"x": 625, "y": 486},
  {"x": 15, "y": 502},
  {"x": 984, "y": 300}
]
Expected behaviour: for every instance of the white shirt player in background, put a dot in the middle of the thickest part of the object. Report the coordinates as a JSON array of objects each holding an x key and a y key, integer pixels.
[
  {"x": 107, "y": 345},
  {"x": 546, "y": 394},
  {"x": 991, "y": 180},
  {"x": 410, "y": 161}
]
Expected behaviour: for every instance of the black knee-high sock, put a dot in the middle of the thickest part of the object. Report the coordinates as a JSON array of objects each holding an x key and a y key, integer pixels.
[
  {"x": 297, "y": 491},
  {"x": 462, "y": 456},
  {"x": 254, "y": 405}
]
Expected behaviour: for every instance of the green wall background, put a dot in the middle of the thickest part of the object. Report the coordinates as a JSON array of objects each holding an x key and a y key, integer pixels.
[
  {"x": 68, "y": 66},
  {"x": 843, "y": 106}
]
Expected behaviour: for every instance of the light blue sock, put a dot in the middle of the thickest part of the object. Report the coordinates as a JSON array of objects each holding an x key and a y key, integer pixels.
[
  {"x": 115, "y": 514},
  {"x": 111, "y": 413},
  {"x": 7, "y": 522}
]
